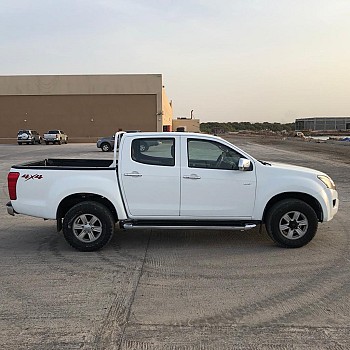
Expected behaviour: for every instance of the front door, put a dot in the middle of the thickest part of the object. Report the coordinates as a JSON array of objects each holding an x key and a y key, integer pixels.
[
  {"x": 150, "y": 176},
  {"x": 211, "y": 184}
]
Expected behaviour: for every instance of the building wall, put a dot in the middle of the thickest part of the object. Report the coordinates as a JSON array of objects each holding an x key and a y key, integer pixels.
[
  {"x": 190, "y": 125},
  {"x": 81, "y": 84},
  {"x": 80, "y": 116},
  {"x": 167, "y": 110},
  {"x": 83, "y": 105},
  {"x": 323, "y": 123}
]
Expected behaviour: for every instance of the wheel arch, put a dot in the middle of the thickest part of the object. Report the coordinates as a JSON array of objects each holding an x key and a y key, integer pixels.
[
  {"x": 76, "y": 198},
  {"x": 310, "y": 200}
]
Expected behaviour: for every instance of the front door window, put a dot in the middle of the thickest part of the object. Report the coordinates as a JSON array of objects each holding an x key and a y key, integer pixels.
[{"x": 211, "y": 155}]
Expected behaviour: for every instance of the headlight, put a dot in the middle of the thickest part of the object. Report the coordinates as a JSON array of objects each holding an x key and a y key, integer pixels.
[{"x": 327, "y": 181}]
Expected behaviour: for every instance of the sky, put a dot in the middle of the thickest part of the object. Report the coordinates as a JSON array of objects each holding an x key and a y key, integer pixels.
[{"x": 238, "y": 60}]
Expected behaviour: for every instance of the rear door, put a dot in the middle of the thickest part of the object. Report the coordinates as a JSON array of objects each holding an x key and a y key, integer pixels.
[{"x": 150, "y": 175}]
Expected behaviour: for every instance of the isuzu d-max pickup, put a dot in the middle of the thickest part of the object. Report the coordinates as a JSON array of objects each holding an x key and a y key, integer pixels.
[
  {"x": 55, "y": 136},
  {"x": 186, "y": 180}
]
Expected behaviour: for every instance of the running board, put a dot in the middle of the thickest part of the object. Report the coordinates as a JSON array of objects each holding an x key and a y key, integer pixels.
[{"x": 209, "y": 226}]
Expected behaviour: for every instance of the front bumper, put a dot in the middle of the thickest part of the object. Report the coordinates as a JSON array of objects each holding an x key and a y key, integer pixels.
[{"x": 331, "y": 204}]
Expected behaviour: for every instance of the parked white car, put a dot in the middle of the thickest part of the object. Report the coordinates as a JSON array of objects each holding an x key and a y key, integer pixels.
[{"x": 187, "y": 180}]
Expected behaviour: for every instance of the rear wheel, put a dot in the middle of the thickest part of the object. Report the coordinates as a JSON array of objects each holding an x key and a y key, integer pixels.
[
  {"x": 291, "y": 223},
  {"x": 88, "y": 226}
]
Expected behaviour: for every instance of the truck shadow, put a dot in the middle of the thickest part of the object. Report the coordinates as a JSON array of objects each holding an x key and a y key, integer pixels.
[
  {"x": 196, "y": 239},
  {"x": 45, "y": 238}
]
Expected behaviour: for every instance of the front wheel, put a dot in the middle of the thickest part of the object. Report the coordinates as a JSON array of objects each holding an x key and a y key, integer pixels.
[
  {"x": 88, "y": 226},
  {"x": 143, "y": 147},
  {"x": 291, "y": 223},
  {"x": 106, "y": 147}
]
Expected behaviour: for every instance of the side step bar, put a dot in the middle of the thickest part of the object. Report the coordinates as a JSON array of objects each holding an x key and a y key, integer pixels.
[{"x": 172, "y": 226}]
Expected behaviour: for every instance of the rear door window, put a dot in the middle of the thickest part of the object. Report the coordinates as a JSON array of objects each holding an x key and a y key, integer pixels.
[{"x": 154, "y": 151}]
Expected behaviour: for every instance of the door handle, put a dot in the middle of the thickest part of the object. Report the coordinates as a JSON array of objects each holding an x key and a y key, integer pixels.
[
  {"x": 134, "y": 174},
  {"x": 192, "y": 177}
]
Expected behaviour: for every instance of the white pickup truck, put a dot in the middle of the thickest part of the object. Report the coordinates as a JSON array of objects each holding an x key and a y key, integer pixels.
[
  {"x": 186, "y": 181},
  {"x": 55, "y": 136}
]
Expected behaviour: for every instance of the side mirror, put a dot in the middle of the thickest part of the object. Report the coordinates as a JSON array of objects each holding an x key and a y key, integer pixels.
[{"x": 244, "y": 164}]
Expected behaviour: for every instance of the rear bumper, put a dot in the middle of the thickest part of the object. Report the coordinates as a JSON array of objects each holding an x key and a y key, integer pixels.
[
  {"x": 10, "y": 209},
  {"x": 26, "y": 140}
]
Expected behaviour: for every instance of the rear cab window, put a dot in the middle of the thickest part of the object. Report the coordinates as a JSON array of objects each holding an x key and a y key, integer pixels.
[{"x": 154, "y": 151}]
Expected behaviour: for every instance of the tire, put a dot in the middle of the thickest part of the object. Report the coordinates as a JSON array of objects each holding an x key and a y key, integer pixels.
[
  {"x": 59, "y": 142},
  {"x": 19, "y": 143},
  {"x": 33, "y": 142},
  {"x": 88, "y": 226},
  {"x": 143, "y": 147},
  {"x": 106, "y": 147},
  {"x": 47, "y": 142},
  {"x": 291, "y": 223}
]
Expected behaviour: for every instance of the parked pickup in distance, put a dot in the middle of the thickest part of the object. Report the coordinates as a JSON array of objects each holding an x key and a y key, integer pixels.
[
  {"x": 187, "y": 181},
  {"x": 55, "y": 136}
]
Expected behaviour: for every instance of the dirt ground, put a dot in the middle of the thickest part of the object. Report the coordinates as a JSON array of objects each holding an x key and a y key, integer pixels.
[
  {"x": 338, "y": 150},
  {"x": 177, "y": 290}
]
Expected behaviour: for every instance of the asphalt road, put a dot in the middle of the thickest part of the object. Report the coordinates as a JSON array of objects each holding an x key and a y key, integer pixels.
[{"x": 177, "y": 290}]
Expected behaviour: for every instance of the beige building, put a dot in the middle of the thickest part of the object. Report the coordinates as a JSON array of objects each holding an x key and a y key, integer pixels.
[
  {"x": 186, "y": 124},
  {"x": 84, "y": 106}
]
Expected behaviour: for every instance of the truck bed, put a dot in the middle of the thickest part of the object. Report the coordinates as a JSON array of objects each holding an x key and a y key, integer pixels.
[{"x": 54, "y": 163}]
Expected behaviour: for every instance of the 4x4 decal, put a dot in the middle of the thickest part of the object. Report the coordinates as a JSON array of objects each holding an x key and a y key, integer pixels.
[{"x": 32, "y": 177}]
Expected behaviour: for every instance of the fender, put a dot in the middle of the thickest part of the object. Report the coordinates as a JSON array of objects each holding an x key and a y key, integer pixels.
[
  {"x": 274, "y": 181},
  {"x": 44, "y": 204}
]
